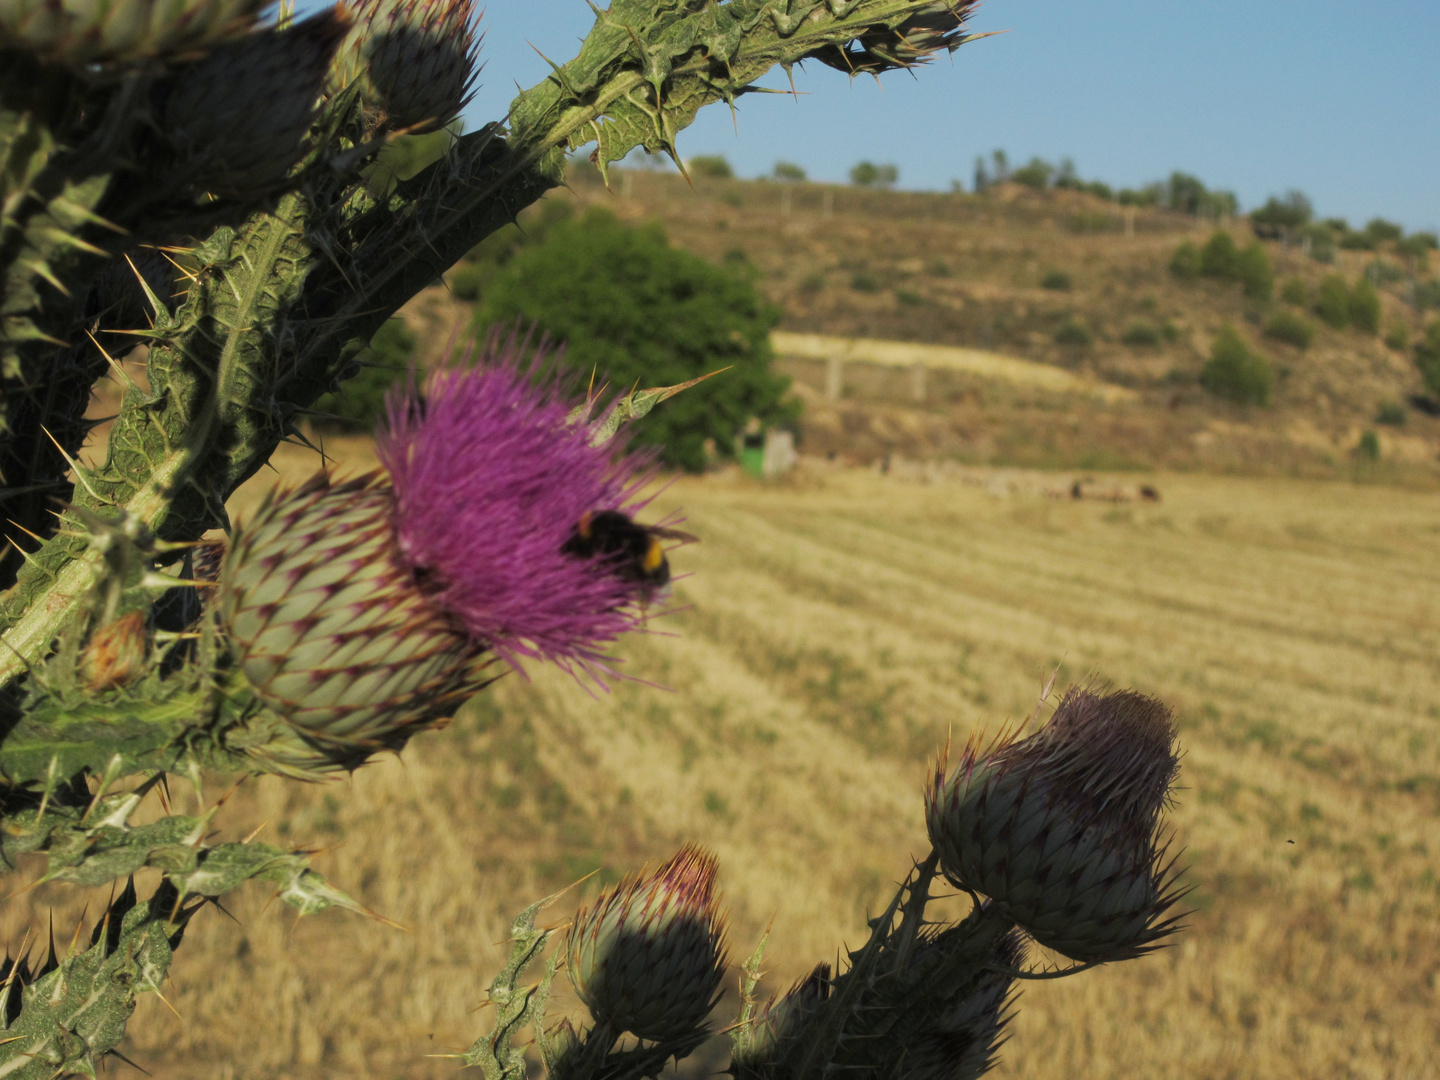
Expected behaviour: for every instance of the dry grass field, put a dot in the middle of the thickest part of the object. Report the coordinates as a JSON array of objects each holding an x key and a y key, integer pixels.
[{"x": 832, "y": 631}]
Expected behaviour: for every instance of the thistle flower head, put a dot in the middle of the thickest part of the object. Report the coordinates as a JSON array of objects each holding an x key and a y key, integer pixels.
[
  {"x": 648, "y": 956},
  {"x": 1061, "y": 829},
  {"x": 492, "y": 479},
  {"x": 780, "y": 1025},
  {"x": 239, "y": 116},
  {"x": 415, "y": 60}
]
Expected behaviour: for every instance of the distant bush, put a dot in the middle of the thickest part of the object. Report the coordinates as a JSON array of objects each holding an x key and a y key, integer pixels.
[
  {"x": 1390, "y": 414},
  {"x": 1235, "y": 372},
  {"x": 1252, "y": 267},
  {"x": 733, "y": 198},
  {"x": 1383, "y": 272},
  {"x": 1219, "y": 258},
  {"x": 1185, "y": 263},
  {"x": 1425, "y": 294},
  {"x": 1365, "y": 307},
  {"x": 710, "y": 166},
  {"x": 1368, "y": 448},
  {"x": 1398, "y": 336},
  {"x": 1146, "y": 196},
  {"x": 1296, "y": 292},
  {"x": 1290, "y": 328},
  {"x": 1073, "y": 333},
  {"x": 909, "y": 297},
  {"x": 1099, "y": 190},
  {"x": 465, "y": 282},
  {"x": 1035, "y": 175},
  {"x": 868, "y": 174},
  {"x": 1141, "y": 335},
  {"x": 938, "y": 268},
  {"x": 788, "y": 170},
  {"x": 631, "y": 308},
  {"x": 812, "y": 282},
  {"x": 1418, "y": 246},
  {"x": 1056, "y": 280},
  {"x": 864, "y": 281},
  {"x": 1427, "y": 357},
  {"x": 1282, "y": 216},
  {"x": 360, "y": 401},
  {"x": 1382, "y": 231},
  {"x": 1332, "y": 302}
]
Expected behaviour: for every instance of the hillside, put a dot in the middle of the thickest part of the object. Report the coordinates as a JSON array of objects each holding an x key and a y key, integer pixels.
[{"x": 1011, "y": 271}]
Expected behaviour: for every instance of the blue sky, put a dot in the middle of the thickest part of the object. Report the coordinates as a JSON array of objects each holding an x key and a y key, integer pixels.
[{"x": 1341, "y": 100}]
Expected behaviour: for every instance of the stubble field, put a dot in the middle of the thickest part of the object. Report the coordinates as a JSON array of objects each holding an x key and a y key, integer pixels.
[{"x": 831, "y": 633}]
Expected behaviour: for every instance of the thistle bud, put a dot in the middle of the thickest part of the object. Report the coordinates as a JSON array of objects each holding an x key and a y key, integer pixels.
[
  {"x": 913, "y": 42},
  {"x": 779, "y": 1026},
  {"x": 239, "y": 117},
  {"x": 361, "y": 611},
  {"x": 648, "y": 956},
  {"x": 415, "y": 60},
  {"x": 1060, "y": 829},
  {"x": 961, "y": 1042},
  {"x": 85, "y": 32},
  {"x": 115, "y": 655}
]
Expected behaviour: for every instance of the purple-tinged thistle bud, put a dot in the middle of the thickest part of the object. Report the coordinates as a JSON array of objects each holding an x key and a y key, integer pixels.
[
  {"x": 648, "y": 956},
  {"x": 1061, "y": 829},
  {"x": 363, "y": 611},
  {"x": 84, "y": 32},
  {"x": 415, "y": 59},
  {"x": 115, "y": 654},
  {"x": 962, "y": 1041},
  {"x": 239, "y": 117},
  {"x": 915, "y": 41}
]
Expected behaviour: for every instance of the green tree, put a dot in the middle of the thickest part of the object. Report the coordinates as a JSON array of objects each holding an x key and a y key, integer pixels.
[
  {"x": 1282, "y": 216},
  {"x": 868, "y": 174},
  {"x": 711, "y": 166},
  {"x": 1236, "y": 372},
  {"x": 788, "y": 170},
  {"x": 1364, "y": 307},
  {"x": 632, "y": 308},
  {"x": 1036, "y": 174},
  {"x": 1219, "y": 258},
  {"x": 1332, "y": 302},
  {"x": 1256, "y": 274}
]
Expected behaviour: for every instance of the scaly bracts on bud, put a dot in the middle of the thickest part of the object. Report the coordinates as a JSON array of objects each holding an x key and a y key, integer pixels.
[
  {"x": 648, "y": 956},
  {"x": 960, "y": 1043},
  {"x": 84, "y": 32},
  {"x": 415, "y": 61},
  {"x": 1061, "y": 829},
  {"x": 238, "y": 118}
]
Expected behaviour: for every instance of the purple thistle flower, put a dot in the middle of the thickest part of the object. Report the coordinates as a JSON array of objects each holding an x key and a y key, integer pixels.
[{"x": 491, "y": 478}]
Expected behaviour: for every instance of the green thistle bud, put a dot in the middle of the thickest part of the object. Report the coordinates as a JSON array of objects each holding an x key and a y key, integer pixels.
[
  {"x": 330, "y": 630},
  {"x": 84, "y": 32},
  {"x": 648, "y": 956},
  {"x": 415, "y": 60},
  {"x": 779, "y": 1026},
  {"x": 1060, "y": 829},
  {"x": 961, "y": 1042},
  {"x": 238, "y": 118}
]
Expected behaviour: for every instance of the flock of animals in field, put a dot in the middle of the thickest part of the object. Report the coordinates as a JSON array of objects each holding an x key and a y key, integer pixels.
[{"x": 1015, "y": 481}]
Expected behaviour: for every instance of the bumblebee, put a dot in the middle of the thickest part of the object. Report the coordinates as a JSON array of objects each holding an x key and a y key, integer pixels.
[{"x": 634, "y": 549}]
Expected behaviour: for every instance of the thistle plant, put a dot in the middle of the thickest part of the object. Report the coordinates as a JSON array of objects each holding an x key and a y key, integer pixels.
[{"x": 193, "y": 177}]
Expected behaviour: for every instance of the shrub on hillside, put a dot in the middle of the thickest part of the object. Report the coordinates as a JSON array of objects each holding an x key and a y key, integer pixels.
[
  {"x": 1332, "y": 302},
  {"x": 634, "y": 309},
  {"x": 361, "y": 400},
  {"x": 1236, "y": 372},
  {"x": 1390, "y": 414},
  {"x": 1427, "y": 357},
  {"x": 1398, "y": 336},
  {"x": 1035, "y": 175},
  {"x": 1365, "y": 307},
  {"x": 1073, "y": 333},
  {"x": 1281, "y": 217},
  {"x": 1185, "y": 263},
  {"x": 864, "y": 281},
  {"x": 1057, "y": 280},
  {"x": 1319, "y": 240},
  {"x": 1290, "y": 328},
  {"x": 1141, "y": 335},
  {"x": 710, "y": 166},
  {"x": 1418, "y": 246},
  {"x": 1296, "y": 292},
  {"x": 1219, "y": 258},
  {"x": 1252, "y": 267},
  {"x": 788, "y": 170},
  {"x": 868, "y": 174}
]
